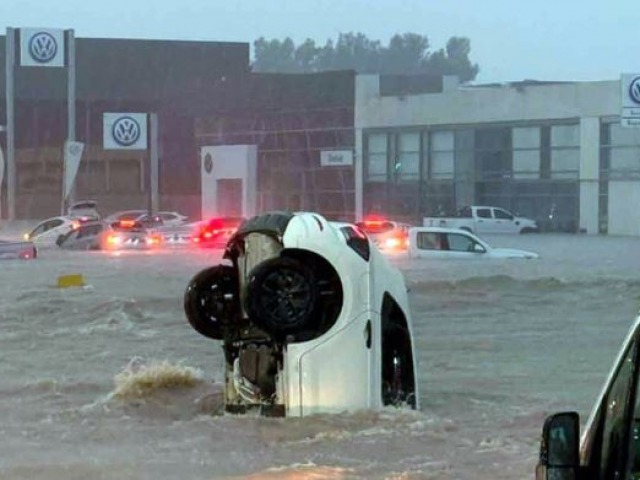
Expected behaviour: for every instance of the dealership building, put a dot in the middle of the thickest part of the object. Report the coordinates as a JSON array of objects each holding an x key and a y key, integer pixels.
[{"x": 230, "y": 141}]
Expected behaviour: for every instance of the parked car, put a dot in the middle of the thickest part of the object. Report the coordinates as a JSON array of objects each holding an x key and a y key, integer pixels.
[
  {"x": 436, "y": 242},
  {"x": 85, "y": 210},
  {"x": 216, "y": 232},
  {"x": 480, "y": 220},
  {"x": 172, "y": 219},
  {"x": 387, "y": 235},
  {"x": 609, "y": 446},
  {"x": 105, "y": 236},
  {"x": 312, "y": 319},
  {"x": 143, "y": 216},
  {"x": 47, "y": 232},
  {"x": 17, "y": 250}
]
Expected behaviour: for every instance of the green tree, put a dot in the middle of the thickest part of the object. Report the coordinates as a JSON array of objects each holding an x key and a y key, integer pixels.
[{"x": 407, "y": 53}]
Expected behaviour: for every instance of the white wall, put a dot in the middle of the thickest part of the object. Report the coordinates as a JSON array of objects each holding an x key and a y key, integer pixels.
[
  {"x": 472, "y": 105},
  {"x": 624, "y": 198},
  {"x": 228, "y": 162}
]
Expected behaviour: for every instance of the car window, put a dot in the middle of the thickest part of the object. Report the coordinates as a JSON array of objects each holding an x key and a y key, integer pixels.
[
  {"x": 167, "y": 216},
  {"x": 428, "y": 241},
  {"x": 460, "y": 243},
  {"x": 483, "y": 213},
  {"x": 502, "y": 214},
  {"x": 89, "y": 231}
]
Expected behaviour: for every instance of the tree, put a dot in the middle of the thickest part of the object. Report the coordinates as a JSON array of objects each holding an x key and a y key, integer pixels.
[{"x": 406, "y": 53}]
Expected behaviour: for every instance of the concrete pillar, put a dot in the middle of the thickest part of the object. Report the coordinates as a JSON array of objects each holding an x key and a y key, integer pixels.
[{"x": 589, "y": 173}]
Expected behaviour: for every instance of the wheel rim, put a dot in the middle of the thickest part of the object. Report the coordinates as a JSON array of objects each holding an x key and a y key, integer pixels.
[{"x": 285, "y": 294}]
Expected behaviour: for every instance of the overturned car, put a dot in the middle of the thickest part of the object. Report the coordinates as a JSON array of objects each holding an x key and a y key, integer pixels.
[{"x": 311, "y": 317}]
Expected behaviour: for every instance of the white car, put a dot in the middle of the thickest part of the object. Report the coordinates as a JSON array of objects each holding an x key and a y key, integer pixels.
[
  {"x": 438, "y": 242},
  {"x": 164, "y": 218},
  {"x": 312, "y": 319},
  {"x": 46, "y": 233}
]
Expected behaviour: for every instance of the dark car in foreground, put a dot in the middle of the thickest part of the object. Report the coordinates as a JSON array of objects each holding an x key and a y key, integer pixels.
[
  {"x": 108, "y": 236},
  {"x": 17, "y": 250}
]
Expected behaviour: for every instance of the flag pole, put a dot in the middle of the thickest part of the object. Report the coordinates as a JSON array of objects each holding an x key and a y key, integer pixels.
[
  {"x": 71, "y": 117},
  {"x": 10, "y": 128}
]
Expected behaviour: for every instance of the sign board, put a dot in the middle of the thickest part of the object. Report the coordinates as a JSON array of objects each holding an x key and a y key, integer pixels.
[
  {"x": 124, "y": 131},
  {"x": 42, "y": 47},
  {"x": 630, "y": 100},
  {"x": 72, "y": 156},
  {"x": 336, "y": 158}
]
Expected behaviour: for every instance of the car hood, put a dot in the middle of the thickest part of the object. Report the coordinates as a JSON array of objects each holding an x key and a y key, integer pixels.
[{"x": 512, "y": 253}]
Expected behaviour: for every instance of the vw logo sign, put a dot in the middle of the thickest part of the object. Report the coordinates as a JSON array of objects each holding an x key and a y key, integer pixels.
[
  {"x": 634, "y": 90},
  {"x": 208, "y": 163},
  {"x": 43, "y": 47},
  {"x": 125, "y": 131}
]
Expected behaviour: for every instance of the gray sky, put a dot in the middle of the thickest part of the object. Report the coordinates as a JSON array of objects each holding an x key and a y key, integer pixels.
[{"x": 510, "y": 39}]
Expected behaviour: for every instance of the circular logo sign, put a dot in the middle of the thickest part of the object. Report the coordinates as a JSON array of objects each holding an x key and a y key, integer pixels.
[
  {"x": 634, "y": 90},
  {"x": 125, "y": 131},
  {"x": 43, "y": 47},
  {"x": 208, "y": 163}
]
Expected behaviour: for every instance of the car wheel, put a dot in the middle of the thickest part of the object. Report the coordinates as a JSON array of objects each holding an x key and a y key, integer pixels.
[
  {"x": 211, "y": 301},
  {"x": 281, "y": 296}
]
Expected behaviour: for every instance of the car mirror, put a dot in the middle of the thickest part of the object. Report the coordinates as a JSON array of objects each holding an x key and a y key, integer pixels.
[
  {"x": 559, "y": 459},
  {"x": 477, "y": 248}
]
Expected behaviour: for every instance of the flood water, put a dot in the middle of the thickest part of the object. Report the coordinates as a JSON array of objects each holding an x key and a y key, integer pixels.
[{"x": 500, "y": 344}]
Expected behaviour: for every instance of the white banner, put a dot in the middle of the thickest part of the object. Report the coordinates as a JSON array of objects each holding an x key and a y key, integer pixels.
[
  {"x": 124, "y": 131},
  {"x": 41, "y": 47},
  {"x": 336, "y": 158},
  {"x": 72, "y": 156}
]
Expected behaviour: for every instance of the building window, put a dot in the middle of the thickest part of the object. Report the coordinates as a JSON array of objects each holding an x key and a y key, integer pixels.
[
  {"x": 624, "y": 151},
  {"x": 408, "y": 158},
  {"x": 526, "y": 152},
  {"x": 565, "y": 151},
  {"x": 376, "y": 162},
  {"x": 441, "y": 158}
]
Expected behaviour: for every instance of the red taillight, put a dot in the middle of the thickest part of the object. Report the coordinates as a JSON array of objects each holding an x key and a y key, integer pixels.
[
  {"x": 127, "y": 223},
  {"x": 207, "y": 234},
  {"x": 75, "y": 225},
  {"x": 154, "y": 240}
]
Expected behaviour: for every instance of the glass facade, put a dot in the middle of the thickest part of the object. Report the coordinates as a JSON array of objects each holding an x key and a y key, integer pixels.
[{"x": 531, "y": 170}]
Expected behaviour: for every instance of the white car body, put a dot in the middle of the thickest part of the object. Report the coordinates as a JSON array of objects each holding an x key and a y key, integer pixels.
[
  {"x": 436, "y": 242},
  {"x": 355, "y": 348},
  {"x": 46, "y": 233}
]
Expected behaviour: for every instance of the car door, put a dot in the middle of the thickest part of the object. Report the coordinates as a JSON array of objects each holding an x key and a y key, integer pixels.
[
  {"x": 427, "y": 244},
  {"x": 88, "y": 237},
  {"x": 461, "y": 245},
  {"x": 484, "y": 221},
  {"x": 504, "y": 221}
]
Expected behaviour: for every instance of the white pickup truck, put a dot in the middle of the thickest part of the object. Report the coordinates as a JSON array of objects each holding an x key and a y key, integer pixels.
[{"x": 480, "y": 219}]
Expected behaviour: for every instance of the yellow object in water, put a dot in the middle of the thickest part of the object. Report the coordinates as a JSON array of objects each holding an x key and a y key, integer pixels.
[{"x": 73, "y": 280}]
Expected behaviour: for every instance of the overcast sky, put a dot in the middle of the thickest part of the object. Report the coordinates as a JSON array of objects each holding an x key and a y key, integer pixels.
[{"x": 510, "y": 39}]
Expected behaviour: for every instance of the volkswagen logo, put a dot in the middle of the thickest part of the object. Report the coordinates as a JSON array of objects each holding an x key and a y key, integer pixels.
[
  {"x": 634, "y": 90},
  {"x": 208, "y": 163},
  {"x": 43, "y": 47},
  {"x": 125, "y": 131}
]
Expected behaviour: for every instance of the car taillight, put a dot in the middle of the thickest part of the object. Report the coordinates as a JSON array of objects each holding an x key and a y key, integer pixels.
[
  {"x": 127, "y": 223},
  {"x": 114, "y": 239},
  {"x": 75, "y": 225},
  {"x": 154, "y": 240},
  {"x": 393, "y": 242}
]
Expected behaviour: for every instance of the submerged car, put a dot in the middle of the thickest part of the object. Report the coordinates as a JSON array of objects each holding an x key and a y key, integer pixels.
[
  {"x": 17, "y": 250},
  {"x": 106, "y": 236},
  {"x": 312, "y": 319},
  {"x": 84, "y": 211},
  {"x": 47, "y": 232},
  {"x": 389, "y": 236},
  {"x": 439, "y": 242}
]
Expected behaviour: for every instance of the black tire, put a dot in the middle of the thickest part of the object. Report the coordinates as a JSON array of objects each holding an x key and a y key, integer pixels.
[
  {"x": 211, "y": 301},
  {"x": 281, "y": 296}
]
